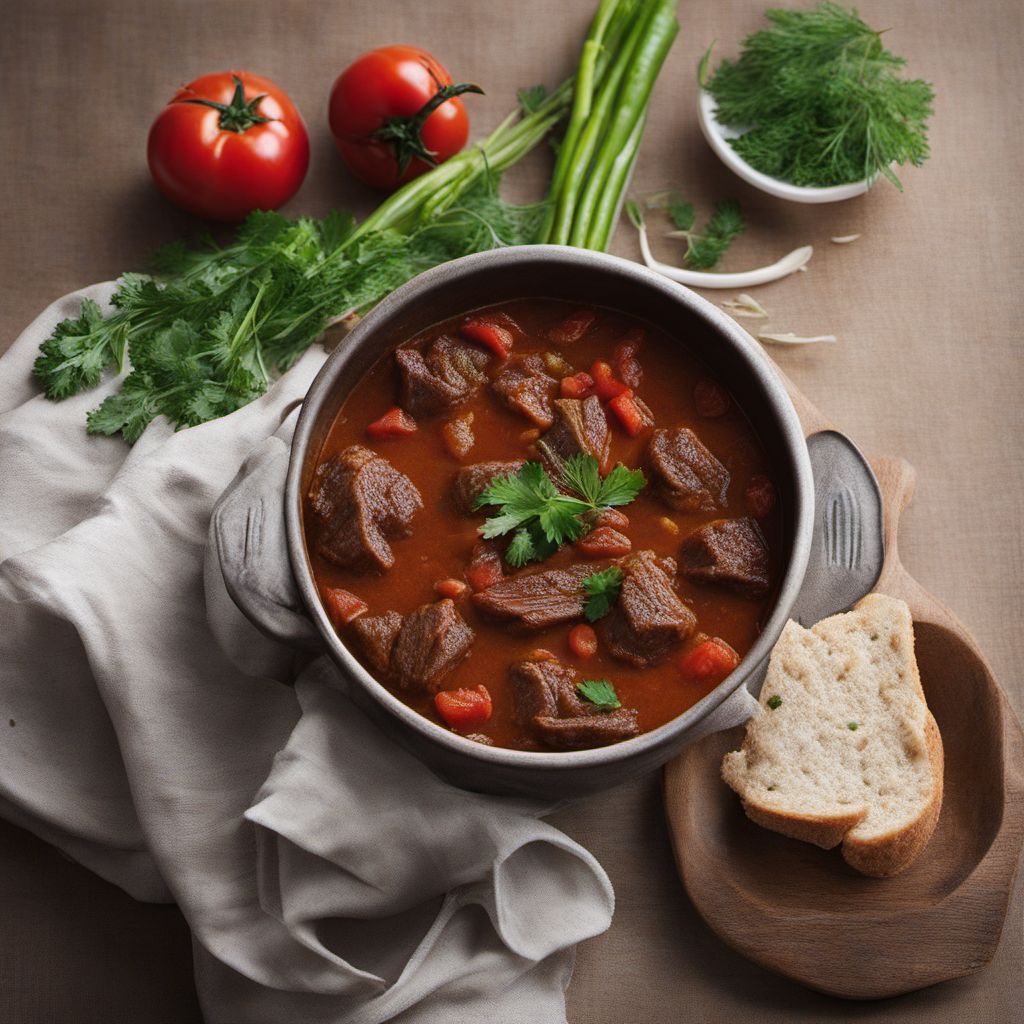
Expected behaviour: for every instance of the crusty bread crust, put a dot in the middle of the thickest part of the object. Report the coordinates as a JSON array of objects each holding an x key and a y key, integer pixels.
[
  {"x": 879, "y": 855},
  {"x": 890, "y": 854}
]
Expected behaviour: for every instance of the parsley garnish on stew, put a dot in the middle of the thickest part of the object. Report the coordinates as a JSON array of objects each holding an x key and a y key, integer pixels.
[
  {"x": 602, "y": 591},
  {"x": 540, "y": 517},
  {"x": 600, "y": 693}
]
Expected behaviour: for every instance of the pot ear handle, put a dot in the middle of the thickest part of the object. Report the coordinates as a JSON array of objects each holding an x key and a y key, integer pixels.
[
  {"x": 739, "y": 706},
  {"x": 248, "y": 538}
]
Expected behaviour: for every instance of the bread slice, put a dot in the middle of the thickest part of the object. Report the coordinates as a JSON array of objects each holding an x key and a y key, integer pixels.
[{"x": 844, "y": 749}]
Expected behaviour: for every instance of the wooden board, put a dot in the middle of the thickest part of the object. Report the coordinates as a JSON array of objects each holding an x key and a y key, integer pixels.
[{"x": 803, "y": 911}]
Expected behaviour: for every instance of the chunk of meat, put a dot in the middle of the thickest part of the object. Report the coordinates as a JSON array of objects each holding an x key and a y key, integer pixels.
[
  {"x": 361, "y": 502},
  {"x": 731, "y": 552},
  {"x": 536, "y": 600},
  {"x": 548, "y": 703},
  {"x": 580, "y": 426},
  {"x": 375, "y": 636},
  {"x": 432, "y": 641},
  {"x": 685, "y": 475},
  {"x": 526, "y": 387},
  {"x": 649, "y": 619},
  {"x": 447, "y": 372},
  {"x": 470, "y": 482}
]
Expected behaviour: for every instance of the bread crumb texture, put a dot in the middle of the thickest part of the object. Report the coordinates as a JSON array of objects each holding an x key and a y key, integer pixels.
[{"x": 844, "y": 748}]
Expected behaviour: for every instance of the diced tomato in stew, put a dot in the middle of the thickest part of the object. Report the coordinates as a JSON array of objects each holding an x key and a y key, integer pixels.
[
  {"x": 342, "y": 606},
  {"x": 498, "y": 337},
  {"x": 450, "y": 588},
  {"x": 709, "y": 662},
  {"x": 396, "y": 422},
  {"x": 583, "y": 641},
  {"x": 629, "y": 414},
  {"x": 710, "y": 399},
  {"x": 579, "y": 385},
  {"x": 761, "y": 496},
  {"x": 483, "y": 575},
  {"x": 464, "y": 708},
  {"x": 573, "y": 327},
  {"x": 606, "y": 385},
  {"x": 604, "y": 542}
]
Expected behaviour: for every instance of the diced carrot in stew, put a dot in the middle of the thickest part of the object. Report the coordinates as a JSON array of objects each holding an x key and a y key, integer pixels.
[
  {"x": 579, "y": 385},
  {"x": 396, "y": 422},
  {"x": 761, "y": 495},
  {"x": 613, "y": 517},
  {"x": 710, "y": 399},
  {"x": 709, "y": 662},
  {"x": 342, "y": 606},
  {"x": 458, "y": 435},
  {"x": 604, "y": 542},
  {"x": 606, "y": 384},
  {"x": 573, "y": 327},
  {"x": 583, "y": 641},
  {"x": 629, "y": 414},
  {"x": 498, "y": 337},
  {"x": 464, "y": 708},
  {"x": 625, "y": 360},
  {"x": 451, "y": 588}
]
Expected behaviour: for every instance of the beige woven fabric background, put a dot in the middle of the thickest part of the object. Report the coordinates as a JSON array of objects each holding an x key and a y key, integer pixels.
[{"x": 927, "y": 306}]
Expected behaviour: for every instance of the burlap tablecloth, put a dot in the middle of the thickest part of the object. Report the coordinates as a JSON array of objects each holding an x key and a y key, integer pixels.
[{"x": 926, "y": 303}]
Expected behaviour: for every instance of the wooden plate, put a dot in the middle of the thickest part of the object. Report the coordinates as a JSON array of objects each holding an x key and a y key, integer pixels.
[{"x": 803, "y": 911}]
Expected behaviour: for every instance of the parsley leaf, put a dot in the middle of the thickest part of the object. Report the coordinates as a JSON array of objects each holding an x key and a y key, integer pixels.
[
  {"x": 602, "y": 590},
  {"x": 601, "y": 693},
  {"x": 540, "y": 517}
]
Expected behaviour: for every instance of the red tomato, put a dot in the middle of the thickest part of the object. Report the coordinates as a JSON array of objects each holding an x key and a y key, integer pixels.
[
  {"x": 342, "y": 606},
  {"x": 604, "y": 542},
  {"x": 579, "y": 385},
  {"x": 396, "y": 422},
  {"x": 708, "y": 662},
  {"x": 605, "y": 382},
  {"x": 450, "y": 588},
  {"x": 464, "y": 709},
  {"x": 228, "y": 144},
  {"x": 491, "y": 333},
  {"x": 394, "y": 114},
  {"x": 583, "y": 641}
]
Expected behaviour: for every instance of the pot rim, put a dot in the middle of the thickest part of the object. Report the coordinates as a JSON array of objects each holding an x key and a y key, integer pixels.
[{"x": 794, "y": 443}]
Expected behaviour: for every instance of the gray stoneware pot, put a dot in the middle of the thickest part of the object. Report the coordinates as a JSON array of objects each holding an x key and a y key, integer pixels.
[{"x": 583, "y": 277}]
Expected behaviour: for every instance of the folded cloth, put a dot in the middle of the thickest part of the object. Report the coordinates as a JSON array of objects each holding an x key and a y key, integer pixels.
[{"x": 160, "y": 739}]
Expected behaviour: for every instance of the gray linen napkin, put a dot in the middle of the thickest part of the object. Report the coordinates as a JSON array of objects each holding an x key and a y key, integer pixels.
[{"x": 327, "y": 876}]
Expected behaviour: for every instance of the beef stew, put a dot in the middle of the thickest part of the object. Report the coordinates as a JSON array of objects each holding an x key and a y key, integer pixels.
[{"x": 504, "y": 653}]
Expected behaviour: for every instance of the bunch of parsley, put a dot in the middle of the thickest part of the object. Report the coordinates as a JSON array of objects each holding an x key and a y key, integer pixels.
[
  {"x": 210, "y": 327},
  {"x": 541, "y": 517},
  {"x": 820, "y": 101}
]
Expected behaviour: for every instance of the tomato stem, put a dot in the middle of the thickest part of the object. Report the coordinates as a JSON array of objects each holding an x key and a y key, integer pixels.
[
  {"x": 405, "y": 133},
  {"x": 236, "y": 116}
]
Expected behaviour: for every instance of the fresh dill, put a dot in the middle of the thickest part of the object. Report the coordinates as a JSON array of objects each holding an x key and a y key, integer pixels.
[{"x": 820, "y": 101}]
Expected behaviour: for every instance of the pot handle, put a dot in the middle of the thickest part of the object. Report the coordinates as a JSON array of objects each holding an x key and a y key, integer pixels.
[
  {"x": 248, "y": 537},
  {"x": 847, "y": 552}
]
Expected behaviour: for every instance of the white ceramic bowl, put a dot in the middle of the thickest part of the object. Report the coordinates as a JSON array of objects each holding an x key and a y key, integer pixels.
[{"x": 718, "y": 138}]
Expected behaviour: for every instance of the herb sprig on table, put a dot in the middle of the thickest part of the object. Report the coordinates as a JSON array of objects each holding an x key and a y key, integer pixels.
[
  {"x": 706, "y": 247},
  {"x": 820, "y": 101},
  {"x": 540, "y": 517}
]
